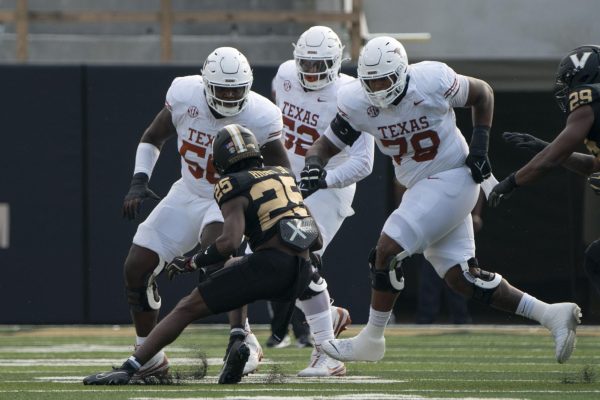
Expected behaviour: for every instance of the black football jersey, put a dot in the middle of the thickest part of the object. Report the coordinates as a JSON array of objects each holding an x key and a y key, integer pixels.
[
  {"x": 588, "y": 94},
  {"x": 272, "y": 194}
]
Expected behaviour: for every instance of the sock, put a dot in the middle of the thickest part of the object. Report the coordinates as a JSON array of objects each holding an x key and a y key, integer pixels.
[
  {"x": 377, "y": 322},
  {"x": 320, "y": 326},
  {"x": 132, "y": 365},
  {"x": 532, "y": 308},
  {"x": 139, "y": 340},
  {"x": 314, "y": 305},
  {"x": 247, "y": 327}
]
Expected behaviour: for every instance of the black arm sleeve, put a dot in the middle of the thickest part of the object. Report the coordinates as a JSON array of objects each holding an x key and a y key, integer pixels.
[{"x": 344, "y": 131}]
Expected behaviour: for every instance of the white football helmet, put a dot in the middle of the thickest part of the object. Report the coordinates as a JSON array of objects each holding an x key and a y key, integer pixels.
[
  {"x": 383, "y": 57},
  {"x": 318, "y": 56},
  {"x": 228, "y": 78}
]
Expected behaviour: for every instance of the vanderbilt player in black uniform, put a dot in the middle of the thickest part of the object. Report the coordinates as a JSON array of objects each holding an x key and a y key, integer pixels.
[
  {"x": 264, "y": 204},
  {"x": 577, "y": 91}
]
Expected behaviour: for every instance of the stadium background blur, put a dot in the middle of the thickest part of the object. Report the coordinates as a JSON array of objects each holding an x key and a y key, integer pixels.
[{"x": 74, "y": 109}]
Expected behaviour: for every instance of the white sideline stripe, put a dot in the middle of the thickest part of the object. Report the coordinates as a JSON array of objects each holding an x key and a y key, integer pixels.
[
  {"x": 81, "y": 348},
  {"x": 107, "y": 362},
  {"x": 365, "y": 396}
]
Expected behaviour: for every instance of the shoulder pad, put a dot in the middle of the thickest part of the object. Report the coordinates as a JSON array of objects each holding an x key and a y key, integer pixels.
[
  {"x": 582, "y": 95},
  {"x": 231, "y": 186}
]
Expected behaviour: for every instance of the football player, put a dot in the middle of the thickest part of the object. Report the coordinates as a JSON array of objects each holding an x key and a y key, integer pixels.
[
  {"x": 265, "y": 205},
  {"x": 577, "y": 92},
  {"x": 196, "y": 107},
  {"x": 409, "y": 111},
  {"x": 305, "y": 89}
]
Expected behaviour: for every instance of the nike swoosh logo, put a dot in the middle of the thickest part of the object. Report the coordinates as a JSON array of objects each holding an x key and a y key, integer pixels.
[
  {"x": 429, "y": 177},
  {"x": 416, "y": 103},
  {"x": 320, "y": 100}
]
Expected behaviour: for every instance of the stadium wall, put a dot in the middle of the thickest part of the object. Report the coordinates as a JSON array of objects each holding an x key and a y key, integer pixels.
[{"x": 69, "y": 138}]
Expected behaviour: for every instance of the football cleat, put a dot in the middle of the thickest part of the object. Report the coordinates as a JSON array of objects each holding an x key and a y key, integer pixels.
[
  {"x": 322, "y": 365},
  {"x": 340, "y": 318},
  {"x": 236, "y": 359},
  {"x": 256, "y": 354},
  {"x": 359, "y": 348},
  {"x": 562, "y": 320},
  {"x": 157, "y": 366},
  {"x": 273, "y": 343},
  {"x": 118, "y": 376}
]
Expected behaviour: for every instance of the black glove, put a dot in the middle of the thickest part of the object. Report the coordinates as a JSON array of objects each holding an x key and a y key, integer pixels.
[
  {"x": 478, "y": 160},
  {"x": 594, "y": 181},
  {"x": 180, "y": 265},
  {"x": 525, "y": 141},
  {"x": 502, "y": 190},
  {"x": 312, "y": 177},
  {"x": 138, "y": 192}
]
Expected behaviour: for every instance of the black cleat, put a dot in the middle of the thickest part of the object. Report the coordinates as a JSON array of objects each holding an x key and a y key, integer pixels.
[
  {"x": 236, "y": 359},
  {"x": 117, "y": 376}
]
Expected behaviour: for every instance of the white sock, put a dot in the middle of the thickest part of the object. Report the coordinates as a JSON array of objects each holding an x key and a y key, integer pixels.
[
  {"x": 532, "y": 308},
  {"x": 139, "y": 340},
  {"x": 314, "y": 305},
  {"x": 320, "y": 326},
  {"x": 377, "y": 322}
]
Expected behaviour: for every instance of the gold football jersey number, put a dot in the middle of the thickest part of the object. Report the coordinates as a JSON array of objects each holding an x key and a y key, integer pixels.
[
  {"x": 281, "y": 194},
  {"x": 222, "y": 187},
  {"x": 592, "y": 146},
  {"x": 581, "y": 97}
]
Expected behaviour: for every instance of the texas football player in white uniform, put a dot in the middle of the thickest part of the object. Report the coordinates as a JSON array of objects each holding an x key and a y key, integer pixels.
[
  {"x": 305, "y": 89},
  {"x": 196, "y": 108},
  {"x": 409, "y": 111}
]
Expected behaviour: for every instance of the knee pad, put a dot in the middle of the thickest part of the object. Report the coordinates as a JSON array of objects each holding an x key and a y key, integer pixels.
[
  {"x": 146, "y": 298},
  {"x": 392, "y": 278},
  {"x": 317, "y": 285},
  {"x": 484, "y": 283}
]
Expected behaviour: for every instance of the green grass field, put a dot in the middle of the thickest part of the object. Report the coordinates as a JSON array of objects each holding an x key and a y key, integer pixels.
[{"x": 420, "y": 363}]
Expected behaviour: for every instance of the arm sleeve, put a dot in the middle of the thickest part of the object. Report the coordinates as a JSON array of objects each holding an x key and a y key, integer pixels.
[
  {"x": 355, "y": 168},
  {"x": 341, "y": 133}
]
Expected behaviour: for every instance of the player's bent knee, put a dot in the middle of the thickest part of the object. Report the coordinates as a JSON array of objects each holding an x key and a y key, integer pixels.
[
  {"x": 146, "y": 297},
  {"x": 483, "y": 283},
  {"x": 391, "y": 277},
  {"x": 317, "y": 285}
]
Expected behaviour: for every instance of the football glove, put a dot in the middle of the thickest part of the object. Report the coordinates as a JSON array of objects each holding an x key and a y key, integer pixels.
[
  {"x": 312, "y": 177},
  {"x": 525, "y": 141},
  {"x": 138, "y": 192},
  {"x": 502, "y": 190},
  {"x": 594, "y": 181},
  {"x": 181, "y": 265},
  {"x": 478, "y": 160}
]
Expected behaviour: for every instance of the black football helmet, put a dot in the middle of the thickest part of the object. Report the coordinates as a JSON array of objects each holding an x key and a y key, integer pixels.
[
  {"x": 581, "y": 66},
  {"x": 233, "y": 144}
]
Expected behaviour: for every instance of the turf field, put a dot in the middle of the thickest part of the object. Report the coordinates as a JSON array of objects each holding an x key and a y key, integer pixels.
[{"x": 420, "y": 363}]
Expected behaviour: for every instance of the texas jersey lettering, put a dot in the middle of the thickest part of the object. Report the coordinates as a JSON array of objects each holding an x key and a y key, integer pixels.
[
  {"x": 197, "y": 125},
  {"x": 272, "y": 194},
  {"x": 421, "y": 128}
]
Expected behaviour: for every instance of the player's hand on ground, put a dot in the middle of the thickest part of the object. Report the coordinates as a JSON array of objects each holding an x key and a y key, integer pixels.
[
  {"x": 525, "y": 141},
  {"x": 181, "y": 265},
  {"x": 594, "y": 181},
  {"x": 138, "y": 192},
  {"x": 480, "y": 166},
  {"x": 312, "y": 178},
  {"x": 502, "y": 191}
]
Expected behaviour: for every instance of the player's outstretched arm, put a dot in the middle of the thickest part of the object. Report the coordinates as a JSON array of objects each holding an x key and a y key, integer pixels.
[{"x": 146, "y": 156}]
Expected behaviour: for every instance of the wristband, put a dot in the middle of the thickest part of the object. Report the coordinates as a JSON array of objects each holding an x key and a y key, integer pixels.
[
  {"x": 145, "y": 158},
  {"x": 480, "y": 140},
  {"x": 209, "y": 256},
  {"x": 314, "y": 161}
]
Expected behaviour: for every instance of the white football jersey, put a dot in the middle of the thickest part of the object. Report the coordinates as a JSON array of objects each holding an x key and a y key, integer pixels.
[
  {"x": 306, "y": 115},
  {"x": 197, "y": 126},
  {"x": 420, "y": 133}
]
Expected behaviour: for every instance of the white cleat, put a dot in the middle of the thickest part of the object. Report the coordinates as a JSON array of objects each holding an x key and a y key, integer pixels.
[
  {"x": 562, "y": 320},
  {"x": 359, "y": 348},
  {"x": 340, "y": 318},
  {"x": 256, "y": 354},
  {"x": 157, "y": 366},
  {"x": 322, "y": 365}
]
